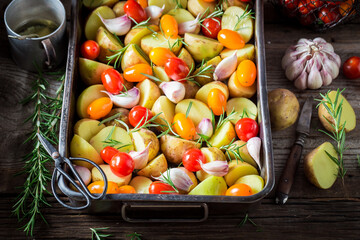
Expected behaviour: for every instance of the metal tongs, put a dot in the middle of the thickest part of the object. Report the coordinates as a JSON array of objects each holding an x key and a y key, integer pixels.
[{"x": 58, "y": 170}]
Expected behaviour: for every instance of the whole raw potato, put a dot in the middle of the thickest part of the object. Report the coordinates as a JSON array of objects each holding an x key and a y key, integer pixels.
[{"x": 284, "y": 108}]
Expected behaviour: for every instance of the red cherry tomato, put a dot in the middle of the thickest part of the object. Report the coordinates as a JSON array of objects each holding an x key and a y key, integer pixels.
[
  {"x": 107, "y": 153},
  {"x": 304, "y": 8},
  {"x": 246, "y": 128},
  {"x": 161, "y": 188},
  {"x": 90, "y": 49},
  {"x": 306, "y": 20},
  {"x": 329, "y": 15},
  {"x": 139, "y": 113},
  {"x": 176, "y": 68},
  {"x": 314, "y": 4},
  {"x": 211, "y": 27},
  {"x": 112, "y": 81},
  {"x": 134, "y": 10},
  {"x": 122, "y": 164},
  {"x": 290, "y": 4},
  {"x": 351, "y": 67},
  {"x": 191, "y": 159}
]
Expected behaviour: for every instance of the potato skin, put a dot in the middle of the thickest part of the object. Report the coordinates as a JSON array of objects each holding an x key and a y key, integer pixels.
[
  {"x": 173, "y": 148},
  {"x": 284, "y": 108}
]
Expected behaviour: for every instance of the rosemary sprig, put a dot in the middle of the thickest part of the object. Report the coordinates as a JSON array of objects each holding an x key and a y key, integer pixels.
[
  {"x": 188, "y": 109},
  {"x": 247, "y": 219},
  {"x": 203, "y": 138},
  {"x": 203, "y": 69},
  {"x": 246, "y": 14},
  {"x": 178, "y": 4},
  {"x": 167, "y": 128},
  {"x": 149, "y": 122},
  {"x": 146, "y": 23},
  {"x": 177, "y": 42},
  {"x": 217, "y": 13},
  {"x": 45, "y": 120},
  {"x": 109, "y": 141},
  {"x": 334, "y": 108},
  {"x": 110, "y": 118},
  {"x": 223, "y": 119},
  {"x": 96, "y": 235},
  {"x": 116, "y": 57},
  {"x": 134, "y": 236},
  {"x": 234, "y": 149}
]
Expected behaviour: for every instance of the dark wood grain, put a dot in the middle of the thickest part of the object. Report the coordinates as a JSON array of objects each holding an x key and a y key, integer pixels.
[{"x": 310, "y": 213}]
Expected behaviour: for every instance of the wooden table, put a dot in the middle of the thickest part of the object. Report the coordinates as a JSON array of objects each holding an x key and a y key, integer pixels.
[{"x": 309, "y": 213}]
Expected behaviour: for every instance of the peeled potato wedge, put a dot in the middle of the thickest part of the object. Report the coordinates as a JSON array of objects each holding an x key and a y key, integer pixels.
[
  {"x": 319, "y": 169},
  {"x": 155, "y": 167},
  {"x": 198, "y": 110},
  {"x": 238, "y": 169},
  {"x": 149, "y": 93},
  {"x": 243, "y": 107},
  {"x": 87, "y": 128},
  {"x": 82, "y": 149},
  {"x": 141, "y": 184}
]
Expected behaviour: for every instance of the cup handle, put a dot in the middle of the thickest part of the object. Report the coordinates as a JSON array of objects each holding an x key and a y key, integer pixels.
[{"x": 50, "y": 53}]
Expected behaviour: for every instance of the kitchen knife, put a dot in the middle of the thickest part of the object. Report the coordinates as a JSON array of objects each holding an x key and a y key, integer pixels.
[{"x": 288, "y": 174}]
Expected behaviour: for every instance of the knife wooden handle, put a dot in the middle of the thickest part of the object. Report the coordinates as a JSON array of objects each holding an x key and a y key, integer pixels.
[{"x": 288, "y": 174}]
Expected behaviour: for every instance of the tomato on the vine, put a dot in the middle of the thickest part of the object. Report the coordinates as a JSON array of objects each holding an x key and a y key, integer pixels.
[
  {"x": 329, "y": 15},
  {"x": 134, "y": 10},
  {"x": 304, "y": 8},
  {"x": 112, "y": 81},
  {"x": 90, "y": 49},
  {"x": 351, "y": 67},
  {"x": 158, "y": 187},
  {"x": 314, "y": 4},
  {"x": 99, "y": 108},
  {"x": 211, "y": 27},
  {"x": 184, "y": 126},
  {"x": 122, "y": 164},
  {"x": 246, "y": 128},
  {"x": 239, "y": 189},
  {"x": 216, "y": 101},
  {"x": 230, "y": 39},
  {"x": 176, "y": 68},
  {"x": 135, "y": 72},
  {"x": 98, "y": 187},
  {"x": 107, "y": 153},
  {"x": 191, "y": 159},
  {"x": 138, "y": 115},
  {"x": 160, "y": 55},
  {"x": 246, "y": 73}
]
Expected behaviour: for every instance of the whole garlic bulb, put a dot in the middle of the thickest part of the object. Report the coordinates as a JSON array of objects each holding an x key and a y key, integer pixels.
[{"x": 311, "y": 63}]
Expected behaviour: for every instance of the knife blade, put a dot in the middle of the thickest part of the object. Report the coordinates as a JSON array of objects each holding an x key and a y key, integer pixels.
[{"x": 288, "y": 174}]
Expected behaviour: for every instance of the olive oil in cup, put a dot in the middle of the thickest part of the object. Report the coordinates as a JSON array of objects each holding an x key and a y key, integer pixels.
[{"x": 39, "y": 27}]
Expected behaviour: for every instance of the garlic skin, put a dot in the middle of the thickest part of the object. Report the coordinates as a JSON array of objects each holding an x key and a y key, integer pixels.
[
  {"x": 173, "y": 90},
  {"x": 84, "y": 174},
  {"x": 126, "y": 100},
  {"x": 215, "y": 168},
  {"x": 140, "y": 158},
  {"x": 119, "y": 26},
  {"x": 311, "y": 63},
  {"x": 180, "y": 179},
  {"x": 205, "y": 127},
  {"x": 253, "y": 146},
  {"x": 225, "y": 68},
  {"x": 154, "y": 13},
  {"x": 190, "y": 26}
]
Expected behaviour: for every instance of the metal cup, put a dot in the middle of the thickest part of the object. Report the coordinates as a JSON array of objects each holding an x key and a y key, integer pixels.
[{"x": 45, "y": 52}]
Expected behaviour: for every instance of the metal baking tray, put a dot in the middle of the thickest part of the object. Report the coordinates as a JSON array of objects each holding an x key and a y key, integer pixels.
[{"x": 150, "y": 206}]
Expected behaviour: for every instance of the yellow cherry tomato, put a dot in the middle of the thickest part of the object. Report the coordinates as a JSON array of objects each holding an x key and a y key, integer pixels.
[
  {"x": 143, "y": 3},
  {"x": 184, "y": 126},
  {"x": 99, "y": 108},
  {"x": 127, "y": 189},
  {"x": 240, "y": 189},
  {"x": 246, "y": 73},
  {"x": 169, "y": 26},
  {"x": 98, "y": 187},
  {"x": 135, "y": 72},
  {"x": 160, "y": 55},
  {"x": 230, "y": 39},
  {"x": 217, "y": 101}
]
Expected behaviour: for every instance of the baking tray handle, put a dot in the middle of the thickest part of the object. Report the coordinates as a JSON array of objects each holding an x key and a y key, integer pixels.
[{"x": 170, "y": 212}]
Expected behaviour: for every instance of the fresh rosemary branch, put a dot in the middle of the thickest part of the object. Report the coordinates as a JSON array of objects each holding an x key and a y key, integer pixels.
[
  {"x": 109, "y": 141},
  {"x": 167, "y": 179},
  {"x": 116, "y": 57},
  {"x": 247, "y": 219},
  {"x": 246, "y": 14},
  {"x": 217, "y": 13},
  {"x": 223, "y": 119},
  {"x": 45, "y": 120},
  {"x": 203, "y": 69},
  {"x": 146, "y": 23},
  {"x": 234, "y": 149},
  {"x": 96, "y": 235},
  {"x": 134, "y": 236},
  {"x": 334, "y": 108}
]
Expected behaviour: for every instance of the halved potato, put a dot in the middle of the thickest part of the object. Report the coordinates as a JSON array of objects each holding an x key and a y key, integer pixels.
[
  {"x": 238, "y": 169},
  {"x": 174, "y": 148},
  {"x": 155, "y": 167},
  {"x": 237, "y": 90},
  {"x": 135, "y": 35},
  {"x": 198, "y": 110},
  {"x": 243, "y": 108},
  {"x": 167, "y": 109},
  {"x": 133, "y": 55},
  {"x": 203, "y": 92},
  {"x": 120, "y": 181},
  {"x": 144, "y": 138},
  {"x": 141, "y": 184},
  {"x": 87, "y": 128},
  {"x": 88, "y": 96},
  {"x": 149, "y": 93},
  {"x": 82, "y": 149},
  {"x": 223, "y": 136}
]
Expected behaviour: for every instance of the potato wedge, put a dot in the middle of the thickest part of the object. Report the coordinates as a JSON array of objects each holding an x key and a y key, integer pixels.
[
  {"x": 88, "y": 96},
  {"x": 169, "y": 4},
  {"x": 120, "y": 181},
  {"x": 133, "y": 55},
  {"x": 144, "y": 138},
  {"x": 243, "y": 152},
  {"x": 167, "y": 109},
  {"x": 93, "y": 22},
  {"x": 122, "y": 113},
  {"x": 209, "y": 76},
  {"x": 141, "y": 184},
  {"x": 223, "y": 136},
  {"x": 243, "y": 108},
  {"x": 173, "y": 148},
  {"x": 200, "y": 6},
  {"x": 237, "y": 90},
  {"x": 201, "y": 47},
  {"x": 160, "y": 73},
  {"x": 187, "y": 58},
  {"x": 108, "y": 44},
  {"x": 155, "y": 167},
  {"x": 90, "y": 71},
  {"x": 87, "y": 128},
  {"x": 203, "y": 92},
  {"x": 149, "y": 93},
  {"x": 82, "y": 149},
  {"x": 159, "y": 40},
  {"x": 238, "y": 169},
  {"x": 135, "y": 35},
  {"x": 210, "y": 186},
  {"x": 255, "y": 182},
  {"x": 247, "y": 52},
  {"x": 198, "y": 110},
  {"x": 211, "y": 154},
  {"x": 191, "y": 89}
]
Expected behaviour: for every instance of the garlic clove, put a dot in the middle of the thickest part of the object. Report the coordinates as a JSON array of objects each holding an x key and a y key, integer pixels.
[
  {"x": 126, "y": 100},
  {"x": 331, "y": 67},
  {"x": 84, "y": 174},
  {"x": 335, "y": 58},
  {"x": 180, "y": 179},
  {"x": 140, "y": 158},
  {"x": 319, "y": 40},
  {"x": 225, "y": 68},
  {"x": 190, "y": 26},
  {"x": 314, "y": 80},
  {"x": 301, "y": 81},
  {"x": 295, "y": 68},
  {"x": 326, "y": 78},
  {"x": 154, "y": 12},
  {"x": 173, "y": 90},
  {"x": 215, "y": 168},
  {"x": 119, "y": 26},
  {"x": 253, "y": 146},
  {"x": 205, "y": 127}
]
